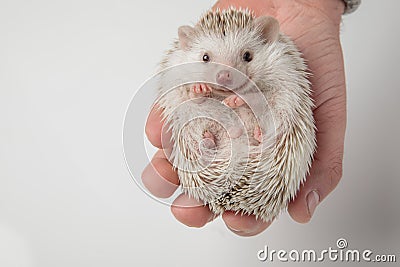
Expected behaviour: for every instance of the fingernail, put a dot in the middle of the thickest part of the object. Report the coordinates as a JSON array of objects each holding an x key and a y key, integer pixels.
[
  {"x": 312, "y": 202},
  {"x": 236, "y": 231},
  {"x": 233, "y": 229}
]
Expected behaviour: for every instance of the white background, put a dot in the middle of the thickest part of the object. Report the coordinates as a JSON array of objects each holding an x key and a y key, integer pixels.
[{"x": 68, "y": 70}]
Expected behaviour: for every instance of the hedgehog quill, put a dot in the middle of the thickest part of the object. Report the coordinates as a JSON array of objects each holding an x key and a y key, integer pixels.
[{"x": 243, "y": 137}]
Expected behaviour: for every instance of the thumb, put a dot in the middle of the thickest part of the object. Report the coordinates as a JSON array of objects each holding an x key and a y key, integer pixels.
[
  {"x": 321, "y": 181},
  {"x": 326, "y": 169}
]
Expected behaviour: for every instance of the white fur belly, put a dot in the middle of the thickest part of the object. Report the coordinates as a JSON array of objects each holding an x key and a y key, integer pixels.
[{"x": 222, "y": 175}]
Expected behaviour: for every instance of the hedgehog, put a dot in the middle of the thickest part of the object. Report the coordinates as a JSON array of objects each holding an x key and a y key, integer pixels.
[{"x": 242, "y": 130}]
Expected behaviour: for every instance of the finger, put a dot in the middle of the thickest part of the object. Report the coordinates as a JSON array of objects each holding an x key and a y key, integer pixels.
[
  {"x": 155, "y": 129},
  {"x": 159, "y": 177},
  {"x": 244, "y": 225},
  {"x": 191, "y": 212},
  {"x": 319, "y": 184},
  {"x": 326, "y": 169}
]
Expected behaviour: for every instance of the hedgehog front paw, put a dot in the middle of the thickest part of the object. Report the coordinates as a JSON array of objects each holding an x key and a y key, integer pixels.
[
  {"x": 199, "y": 92},
  {"x": 233, "y": 101},
  {"x": 201, "y": 88},
  {"x": 258, "y": 134}
]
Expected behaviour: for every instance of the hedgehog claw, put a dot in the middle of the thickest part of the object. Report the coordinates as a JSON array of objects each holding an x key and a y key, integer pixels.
[
  {"x": 233, "y": 101},
  {"x": 199, "y": 92},
  {"x": 201, "y": 88}
]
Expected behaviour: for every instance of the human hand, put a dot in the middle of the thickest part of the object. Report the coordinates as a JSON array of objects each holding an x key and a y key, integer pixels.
[{"x": 314, "y": 27}]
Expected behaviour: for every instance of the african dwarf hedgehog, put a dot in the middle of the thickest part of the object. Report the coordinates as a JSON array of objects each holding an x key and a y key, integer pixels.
[{"x": 243, "y": 130}]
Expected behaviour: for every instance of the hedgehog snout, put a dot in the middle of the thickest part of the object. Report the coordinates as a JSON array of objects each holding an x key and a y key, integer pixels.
[{"x": 224, "y": 77}]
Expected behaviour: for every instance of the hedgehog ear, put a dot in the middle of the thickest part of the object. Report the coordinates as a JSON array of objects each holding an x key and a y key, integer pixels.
[
  {"x": 269, "y": 27},
  {"x": 185, "y": 34}
]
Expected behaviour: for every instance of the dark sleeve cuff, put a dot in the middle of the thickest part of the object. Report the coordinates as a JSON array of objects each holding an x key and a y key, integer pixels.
[{"x": 351, "y": 6}]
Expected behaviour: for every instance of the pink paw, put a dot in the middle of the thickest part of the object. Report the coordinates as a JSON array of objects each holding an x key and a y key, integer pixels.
[
  {"x": 258, "y": 134},
  {"x": 233, "y": 101},
  {"x": 208, "y": 141},
  {"x": 201, "y": 88},
  {"x": 207, "y": 149}
]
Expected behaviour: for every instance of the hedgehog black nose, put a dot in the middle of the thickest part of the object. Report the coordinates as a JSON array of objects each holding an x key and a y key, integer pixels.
[{"x": 224, "y": 77}]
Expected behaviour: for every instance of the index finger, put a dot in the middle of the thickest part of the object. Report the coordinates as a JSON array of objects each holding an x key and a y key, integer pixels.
[{"x": 155, "y": 126}]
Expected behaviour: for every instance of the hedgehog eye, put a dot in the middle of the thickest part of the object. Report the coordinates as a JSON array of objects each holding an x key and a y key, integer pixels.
[
  {"x": 247, "y": 56},
  {"x": 206, "y": 57}
]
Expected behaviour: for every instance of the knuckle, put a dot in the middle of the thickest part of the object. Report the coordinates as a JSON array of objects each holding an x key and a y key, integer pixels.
[
  {"x": 336, "y": 170},
  {"x": 331, "y": 111}
]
